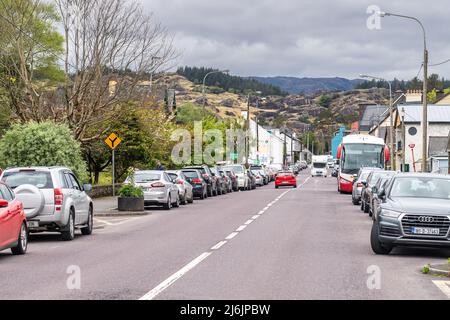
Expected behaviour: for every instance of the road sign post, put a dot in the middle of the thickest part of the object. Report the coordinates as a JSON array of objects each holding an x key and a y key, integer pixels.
[
  {"x": 113, "y": 142},
  {"x": 412, "y": 145}
]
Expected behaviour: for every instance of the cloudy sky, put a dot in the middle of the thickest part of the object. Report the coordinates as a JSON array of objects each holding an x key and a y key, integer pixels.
[{"x": 306, "y": 38}]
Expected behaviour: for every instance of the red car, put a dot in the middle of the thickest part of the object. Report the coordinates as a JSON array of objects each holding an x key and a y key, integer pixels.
[
  {"x": 13, "y": 224},
  {"x": 285, "y": 178}
]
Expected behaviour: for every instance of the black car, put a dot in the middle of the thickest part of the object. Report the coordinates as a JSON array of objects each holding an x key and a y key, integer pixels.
[
  {"x": 199, "y": 185},
  {"x": 368, "y": 184},
  {"x": 413, "y": 211},
  {"x": 209, "y": 178}
]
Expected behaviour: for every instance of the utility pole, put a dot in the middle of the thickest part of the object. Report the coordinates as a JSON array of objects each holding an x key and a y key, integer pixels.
[
  {"x": 257, "y": 134},
  {"x": 247, "y": 135},
  {"x": 403, "y": 139}
]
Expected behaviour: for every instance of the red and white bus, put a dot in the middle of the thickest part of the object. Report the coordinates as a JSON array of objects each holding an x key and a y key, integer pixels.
[{"x": 357, "y": 151}]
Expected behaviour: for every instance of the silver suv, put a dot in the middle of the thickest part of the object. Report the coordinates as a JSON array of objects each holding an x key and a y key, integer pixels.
[{"x": 53, "y": 199}]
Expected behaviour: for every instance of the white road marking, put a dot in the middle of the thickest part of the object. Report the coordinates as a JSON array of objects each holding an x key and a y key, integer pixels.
[
  {"x": 444, "y": 286},
  {"x": 232, "y": 235},
  {"x": 219, "y": 245},
  {"x": 177, "y": 275},
  {"x": 174, "y": 277},
  {"x": 104, "y": 221}
]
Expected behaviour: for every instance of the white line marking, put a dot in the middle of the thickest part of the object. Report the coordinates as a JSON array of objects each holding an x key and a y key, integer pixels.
[
  {"x": 255, "y": 217},
  {"x": 231, "y": 235},
  {"x": 444, "y": 286},
  {"x": 219, "y": 245},
  {"x": 241, "y": 228},
  {"x": 105, "y": 222},
  {"x": 174, "y": 277},
  {"x": 249, "y": 221},
  {"x": 262, "y": 211},
  {"x": 266, "y": 208}
]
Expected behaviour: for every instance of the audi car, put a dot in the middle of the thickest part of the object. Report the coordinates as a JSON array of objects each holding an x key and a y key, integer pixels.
[{"x": 413, "y": 210}]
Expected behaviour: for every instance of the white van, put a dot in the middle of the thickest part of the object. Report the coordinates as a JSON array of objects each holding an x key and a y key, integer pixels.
[{"x": 319, "y": 166}]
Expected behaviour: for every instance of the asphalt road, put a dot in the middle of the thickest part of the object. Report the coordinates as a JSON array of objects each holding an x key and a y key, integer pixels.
[{"x": 304, "y": 243}]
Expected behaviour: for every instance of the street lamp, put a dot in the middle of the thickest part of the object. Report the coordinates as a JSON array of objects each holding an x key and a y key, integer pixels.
[
  {"x": 248, "y": 129},
  {"x": 391, "y": 113},
  {"x": 204, "y": 81},
  {"x": 425, "y": 87},
  {"x": 154, "y": 58}
]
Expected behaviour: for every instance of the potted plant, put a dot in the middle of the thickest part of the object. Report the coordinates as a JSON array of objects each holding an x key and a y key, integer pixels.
[{"x": 131, "y": 198}]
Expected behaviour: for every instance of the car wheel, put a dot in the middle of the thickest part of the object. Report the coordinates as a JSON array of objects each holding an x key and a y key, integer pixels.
[
  {"x": 191, "y": 199},
  {"x": 362, "y": 205},
  {"x": 168, "y": 205},
  {"x": 366, "y": 207},
  {"x": 68, "y": 233},
  {"x": 176, "y": 204},
  {"x": 295, "y": 186},
  {"x": 183, "y": 200},
  {"x": 90, "y": 223},
  {"x": 276, "y": 187},
  {"x": 355, "y": 201},
  {"x": 22, "y": 242},
  {"x": 375, "y": 243}
]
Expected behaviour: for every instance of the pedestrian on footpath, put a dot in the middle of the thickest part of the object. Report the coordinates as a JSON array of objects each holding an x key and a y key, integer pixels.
[{"x": 159, "y": 166}]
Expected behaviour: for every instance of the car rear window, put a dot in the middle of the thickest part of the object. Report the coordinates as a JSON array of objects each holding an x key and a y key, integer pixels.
[
  {"x": 39, "y": 179},
  {"x": 191, "y": 174},
  {"x": 147, "y": 177},
  {"x": 285, "y": 174}
]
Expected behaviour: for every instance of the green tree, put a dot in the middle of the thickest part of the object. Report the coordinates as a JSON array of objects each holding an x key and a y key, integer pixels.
[
  {"x": 41, "y": 144},
  {"x": 324, "y": 101}
]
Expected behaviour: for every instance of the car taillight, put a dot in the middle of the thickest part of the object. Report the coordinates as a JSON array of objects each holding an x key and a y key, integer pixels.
[
  {"x": 196, "y": 181},
  {"x": 157, "y": 185},
  {"x": 58, "y": 198},
  {"x": 179, "y": 181},
  {"x": 359, "y": 185}
]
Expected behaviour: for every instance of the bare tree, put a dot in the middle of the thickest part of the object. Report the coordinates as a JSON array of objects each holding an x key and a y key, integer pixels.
[
  {"x": 108, "y": 49},
  {"x": 110, "y": 46}
]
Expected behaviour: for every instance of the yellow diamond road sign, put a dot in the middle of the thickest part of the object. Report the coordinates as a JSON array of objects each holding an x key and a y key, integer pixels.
[{"x": 113, "y": 141}]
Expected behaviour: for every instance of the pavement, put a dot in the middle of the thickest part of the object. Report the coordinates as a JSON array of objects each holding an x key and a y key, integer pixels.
[
  {"x": 107, "y": 207},
  {"x": 304, "y": 243}
]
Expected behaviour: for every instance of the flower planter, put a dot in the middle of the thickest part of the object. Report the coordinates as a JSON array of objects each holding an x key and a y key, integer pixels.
[{"x": 130, "y": 204}]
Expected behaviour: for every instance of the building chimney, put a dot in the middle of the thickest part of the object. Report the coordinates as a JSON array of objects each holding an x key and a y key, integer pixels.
[{"x": 414, "y": 96}]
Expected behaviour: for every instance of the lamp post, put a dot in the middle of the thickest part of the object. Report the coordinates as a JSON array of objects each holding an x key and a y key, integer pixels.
[
  {"x": 391, "y": 115},
  {"x": 425, "y": 86},
  {"x": 247, "y": 143},
  {"x": 203, "y": 87}
]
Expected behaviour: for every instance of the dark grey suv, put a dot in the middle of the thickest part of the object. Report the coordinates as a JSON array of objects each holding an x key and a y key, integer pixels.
[{"x": 414, "y": 210}]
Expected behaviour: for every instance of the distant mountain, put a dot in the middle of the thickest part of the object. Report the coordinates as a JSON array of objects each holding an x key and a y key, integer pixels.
[{"x": 309, "y": 85}]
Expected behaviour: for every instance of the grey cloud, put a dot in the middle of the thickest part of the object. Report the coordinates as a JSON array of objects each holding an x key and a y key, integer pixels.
[{"x": 305, "y": 38}]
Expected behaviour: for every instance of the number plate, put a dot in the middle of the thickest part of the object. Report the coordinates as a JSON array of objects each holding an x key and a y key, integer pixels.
[
  {"x": 425, "y": 231},
  {"x": 33, "y": 224}
]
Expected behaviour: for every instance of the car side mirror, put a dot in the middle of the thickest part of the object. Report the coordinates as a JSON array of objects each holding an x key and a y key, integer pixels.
[
  {"x": 213, "y": 174},
  {"x": 87, "y": 187},
  {"x": 3, "y": 203},
  {"x": 382, "y": 194},
  {"x": 364, "y": 183},
  {"x": 374, "y": 190}
]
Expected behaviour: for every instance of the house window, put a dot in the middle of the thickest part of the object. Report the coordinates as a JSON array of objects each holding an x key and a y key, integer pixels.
[{"x": 412, "y": 131}]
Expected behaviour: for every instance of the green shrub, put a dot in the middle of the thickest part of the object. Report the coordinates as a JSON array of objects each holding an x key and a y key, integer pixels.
[
  {"x": 426, "y": 269},
  {"x": 41, "y": 144},
  {"x": 130, "y": 191}
]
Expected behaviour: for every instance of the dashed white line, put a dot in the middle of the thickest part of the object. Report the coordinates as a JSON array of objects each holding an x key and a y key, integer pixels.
[
  {"x": 177, "y": 275},
  {"x": 218, "y": 246},
  {"x": 174, "y": 277},
  {"x": 232, "y": 235}
]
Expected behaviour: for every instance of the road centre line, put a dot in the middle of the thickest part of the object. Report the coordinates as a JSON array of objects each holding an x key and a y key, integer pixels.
[{"x": 177, "y": 275}]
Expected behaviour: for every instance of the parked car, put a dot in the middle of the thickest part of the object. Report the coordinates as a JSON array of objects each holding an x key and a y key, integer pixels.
[
  {"x": 221, "y": 183},
  {"x": 259, "y": 179},
  {"x": 13, "y": 222},
  {"x": 53, "y": 199},
  {"x": 285, "y": 178},
  {"x": 252, "y": 178},
  {"x": 363, "y": 173},
  {"x": 210, "y": 179},
  {"x": 242, "y": 176},
  {"x": 381, "y": 184},
  {"x": 259, "y": 170},
  {"x": 185, "y": 189},
  {"x": 294, "y": 169},
  {"x": 233, "y": 178},
  {"x": 227, "y": 179},
  {"x": 199, "y": 186},
  {"x": 413, "y": 211},
  {"x": 159, "y": 188},
  {"x": 366, "y": 193}
]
